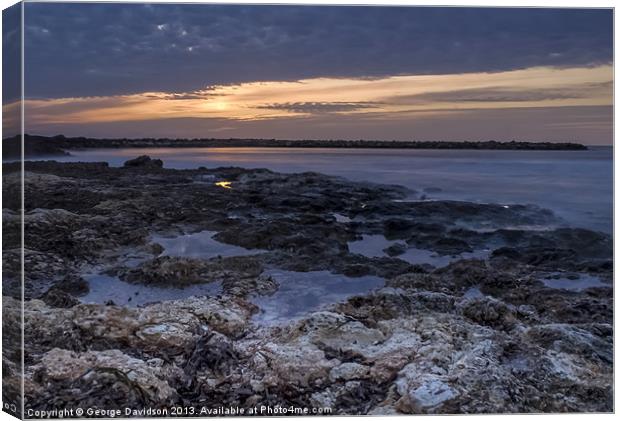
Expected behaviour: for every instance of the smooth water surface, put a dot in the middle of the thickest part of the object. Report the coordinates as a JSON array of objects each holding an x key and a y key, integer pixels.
[
  {"x": 583, "y": 281},
  {"x": 577, "y": 185},
  {"x": 300, "y": 293},
  {"x": 199, "y": 245},
  {"x": 373, "y": 246},
  {"x": 104, "y": 288}
]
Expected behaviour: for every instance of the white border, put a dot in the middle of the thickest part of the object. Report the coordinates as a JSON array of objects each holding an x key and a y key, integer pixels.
[{"x": 482, "y": 3}]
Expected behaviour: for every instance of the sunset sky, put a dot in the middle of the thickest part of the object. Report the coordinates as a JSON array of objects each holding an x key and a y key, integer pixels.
[{"x": 111, "y": 70}]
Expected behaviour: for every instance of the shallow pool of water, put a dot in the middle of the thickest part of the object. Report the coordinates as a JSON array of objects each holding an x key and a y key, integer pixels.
[
  {"x": 300, "y": 293},
  {"x": 373, "y": 246},
  {"x": 104, "y": 288},
  {"x": 199, "y": 245},
  {"x": 584, "y": 281}
]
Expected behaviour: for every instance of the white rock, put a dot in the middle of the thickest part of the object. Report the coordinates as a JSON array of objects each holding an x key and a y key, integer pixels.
[{"x": 349, "y": 371}]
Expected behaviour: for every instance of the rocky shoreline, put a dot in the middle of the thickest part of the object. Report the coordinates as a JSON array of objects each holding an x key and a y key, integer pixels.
[
  {"x": 38, "y": 146},
  {"x": 476, "y": 335}
]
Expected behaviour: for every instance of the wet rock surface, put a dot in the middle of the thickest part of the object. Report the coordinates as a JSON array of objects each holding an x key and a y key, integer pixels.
[{"x": 474, "y": 336}]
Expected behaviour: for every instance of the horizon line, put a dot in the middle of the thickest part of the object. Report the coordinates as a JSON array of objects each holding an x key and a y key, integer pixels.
[{"x": 62, "y": 136}]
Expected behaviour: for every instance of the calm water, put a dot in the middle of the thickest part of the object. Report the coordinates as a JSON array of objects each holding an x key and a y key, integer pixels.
[
  {"x": 578, "y": 283},
  {"x": 104, "y": 288},
  {"x": 577, "y": 185},
  {"x": 373, "y": 246},
  {"x": 300, "y": 293},
  {"x": 199, "y": 245}
]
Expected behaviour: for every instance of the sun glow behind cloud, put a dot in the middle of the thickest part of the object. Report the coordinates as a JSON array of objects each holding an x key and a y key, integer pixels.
[{"x": 395, "y": 97}]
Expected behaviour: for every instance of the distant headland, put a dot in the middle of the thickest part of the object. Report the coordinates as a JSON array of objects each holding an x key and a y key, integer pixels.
[{"x": 58, "y": 145}]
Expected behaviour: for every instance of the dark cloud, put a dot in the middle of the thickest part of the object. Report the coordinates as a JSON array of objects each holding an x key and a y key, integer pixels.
[
  {"x": 318, "y": 107},
  {"x": 11, "y": 53},
  {"x": 102, "y": 49}
]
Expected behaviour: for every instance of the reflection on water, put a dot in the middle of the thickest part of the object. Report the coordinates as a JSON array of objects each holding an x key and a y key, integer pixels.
[
  {"x": 373, "y": 246},
  {"x": 300, "y": 293},
  {"x": 577, "y": 185},
  {"x": 199, "y": 245},
  {"x": 574, "y": 283},
  {"x": 104, "y": 288},
  {"x": 224, "y": 184}
]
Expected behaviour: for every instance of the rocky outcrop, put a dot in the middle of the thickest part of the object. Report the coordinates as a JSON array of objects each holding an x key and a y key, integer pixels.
[
  {"x": 475, "y": 336},
  {"x": 144, "y": 161},
  {"x": 32, "y": 146}
]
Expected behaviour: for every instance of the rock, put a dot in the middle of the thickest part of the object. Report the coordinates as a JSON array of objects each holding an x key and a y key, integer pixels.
[
  {"x": 74, "y": 285},
  {"x": 156, "y": 249},
  {"x": 166, "y": 335},
  {"x": 214, "y": 352},
  {"x": 427, "y": 395},
  {"x": 85, "y": 373},
  {"x": 165, "y": 328},
  {"x": 166, "y": 271},
  {"x": 144, "y": 161},
  {"x": 416, "y": 345},
  {"x": 418, "y": 281},
  {"x": 398, "y": 228},
  {"x": 489, "y": 312},
  {"x": 448, "y": 245},
  {"x": 334, "y": 331},
  {"x": 292, "y": 365},
  {"x": 395, "y": 249},
  {"x": 244, "y": 286},
  {"x": 588, "y": 341},
  {"x": 59, "y": 298},
  {"x": 169, "y": 271},
  {"x": 349, "y": 371},
  {"x": 435, "y": 301}
]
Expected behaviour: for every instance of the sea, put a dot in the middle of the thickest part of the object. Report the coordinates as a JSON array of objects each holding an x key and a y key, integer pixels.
[{"x": 576, "y": 185}]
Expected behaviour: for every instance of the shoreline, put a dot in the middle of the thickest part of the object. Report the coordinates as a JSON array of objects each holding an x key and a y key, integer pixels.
[
  {"x": 58, "y": 145},
  {"x": 412, "y": 345}
]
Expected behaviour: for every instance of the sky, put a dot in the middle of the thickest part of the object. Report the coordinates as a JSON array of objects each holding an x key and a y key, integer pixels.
[{"x": 318, "y": 72}]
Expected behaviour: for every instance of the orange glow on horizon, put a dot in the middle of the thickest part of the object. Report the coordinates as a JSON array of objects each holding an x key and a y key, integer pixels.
[{"x": 393, "y": 97}]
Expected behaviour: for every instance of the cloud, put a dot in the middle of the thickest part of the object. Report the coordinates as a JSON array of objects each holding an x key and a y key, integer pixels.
[
  {"x": 11, "y": 119},
  {"x": 119, "y": 49},
  {"x": 499, "y": 94},
  {"x": 200, "y": 94},
  {"x": 386, "y": 99},
  {"x": 318, "y": 107},
  {"x": 11, "y": 53}
]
